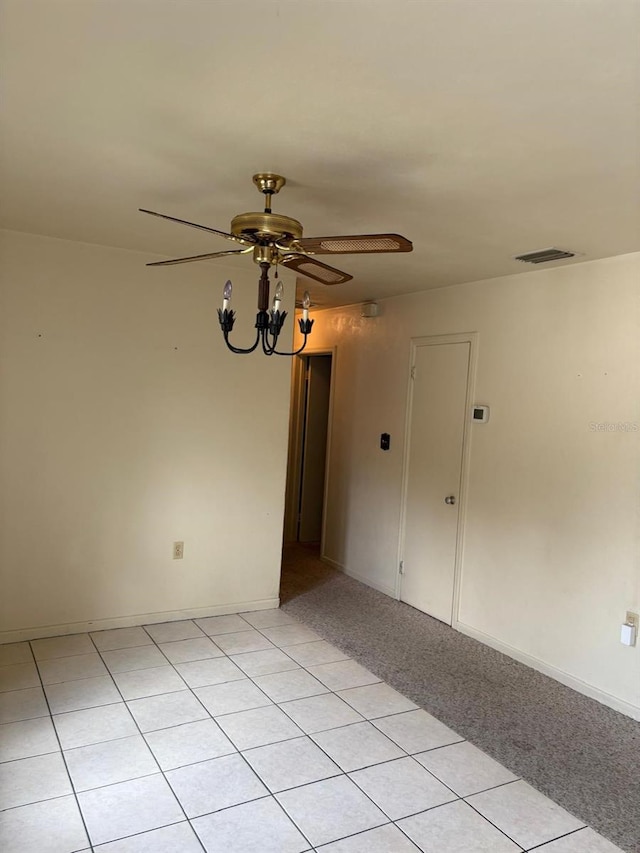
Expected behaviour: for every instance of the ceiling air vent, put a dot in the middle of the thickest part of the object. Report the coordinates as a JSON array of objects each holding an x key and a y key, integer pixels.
[{"x": 544, "y": 256}]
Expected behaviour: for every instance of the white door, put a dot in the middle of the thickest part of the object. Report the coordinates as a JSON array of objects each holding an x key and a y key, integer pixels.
[{"x": 439, "y": 390}]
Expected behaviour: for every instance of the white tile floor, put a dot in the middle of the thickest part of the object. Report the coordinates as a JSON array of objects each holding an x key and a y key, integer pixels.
[{"x": 243, "y": 734}]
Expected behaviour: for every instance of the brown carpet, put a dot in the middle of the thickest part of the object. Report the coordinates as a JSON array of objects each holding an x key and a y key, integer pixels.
[{"x": 580, "y": 753}]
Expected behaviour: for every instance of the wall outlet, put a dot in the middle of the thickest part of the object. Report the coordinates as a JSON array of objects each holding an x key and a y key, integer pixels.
[
  {"x": 629, "y": 629},
  {"x": 178, "y": 550}
]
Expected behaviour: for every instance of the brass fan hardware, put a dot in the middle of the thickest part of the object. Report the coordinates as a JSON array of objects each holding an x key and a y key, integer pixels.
[
  {"x": 274, "y": 239},
  {"x": 277, "y": 239},
  {"x": 269, "y": 184}
]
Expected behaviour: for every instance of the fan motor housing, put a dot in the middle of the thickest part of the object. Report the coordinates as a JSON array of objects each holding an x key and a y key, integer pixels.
[{"x": 266, "y": 226}]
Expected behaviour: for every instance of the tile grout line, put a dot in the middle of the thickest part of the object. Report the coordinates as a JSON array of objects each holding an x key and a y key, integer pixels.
[
  {"x": 269, "y": 794},
  {"x": 305, "y": 669},
  {"x": 493, "y": 824},
  {"x": 394, "y": 822},
  {"x": 346, "y": 775},
  {"x": 281, "y": 704},
  {"x": 491, "y": 788},
  {"x": 341, "y": 772},
  {"x": 462, "y": 740},
  {"x": 458, "y": 798},
  {"x": 62, "y": 755},
  {"x": 151, "y": 753},
  {"x": 408, "y": 755},
  {"x": 262, "y": 781},
  {"x": 307, "y": 602},
  {"x": 238, "y": 752},
  {"x": 245, "y": 677},
  {"x": 559, "y": 838}
]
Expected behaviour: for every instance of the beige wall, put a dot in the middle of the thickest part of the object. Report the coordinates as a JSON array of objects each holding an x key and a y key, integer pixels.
[
  {"x": 551, "y": 560},
  {"x": 125, "y": 425}
]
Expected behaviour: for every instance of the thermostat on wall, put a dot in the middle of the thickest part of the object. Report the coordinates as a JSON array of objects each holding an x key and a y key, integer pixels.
[{"x": 480, "y": 414}]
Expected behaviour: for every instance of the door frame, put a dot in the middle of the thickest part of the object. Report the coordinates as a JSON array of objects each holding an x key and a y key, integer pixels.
[
  {"x": 433, "y": 340},
  {"x": 294, "y": 466}
]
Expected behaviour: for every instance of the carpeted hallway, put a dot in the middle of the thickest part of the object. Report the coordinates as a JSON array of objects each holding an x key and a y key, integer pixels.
[{"x": 578, "y": 752}]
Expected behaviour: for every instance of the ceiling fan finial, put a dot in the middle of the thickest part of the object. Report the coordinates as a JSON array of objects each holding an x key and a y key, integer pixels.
[{"x": 269, "y": 183}]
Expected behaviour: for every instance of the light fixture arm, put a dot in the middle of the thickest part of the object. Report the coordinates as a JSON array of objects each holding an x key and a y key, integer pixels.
[
  {"x": 268, "y": 323},
  {"x": 239, "y": 350}
]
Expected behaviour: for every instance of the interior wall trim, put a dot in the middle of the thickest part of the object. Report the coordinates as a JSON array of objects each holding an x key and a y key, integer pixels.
[
  {"x": 557, "y": 674},
  {"x": 38, "y": 632}
]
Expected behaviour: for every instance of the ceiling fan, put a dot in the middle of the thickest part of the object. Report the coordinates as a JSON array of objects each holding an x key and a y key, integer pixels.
[{"x": 276, "y": 239}]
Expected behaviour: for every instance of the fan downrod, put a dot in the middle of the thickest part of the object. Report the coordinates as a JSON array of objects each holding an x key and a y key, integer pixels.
[{"x": 267, "y": 227}]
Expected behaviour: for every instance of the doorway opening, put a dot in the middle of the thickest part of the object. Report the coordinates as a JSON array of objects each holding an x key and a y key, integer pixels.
[{"x": 309, "y": 438}]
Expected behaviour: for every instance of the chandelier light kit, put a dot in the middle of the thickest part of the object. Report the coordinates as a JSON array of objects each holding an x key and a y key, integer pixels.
[
  {"x": 276, "y": 239},
  {"x": 268, "y": 323}
]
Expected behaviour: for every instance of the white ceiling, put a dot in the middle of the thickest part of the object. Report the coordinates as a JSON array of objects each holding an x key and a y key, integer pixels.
[{"x": 479, "y": 129}]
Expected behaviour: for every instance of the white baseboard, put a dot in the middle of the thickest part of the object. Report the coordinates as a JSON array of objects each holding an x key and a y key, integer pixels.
[
  {"x": 36, "y": 633},
  {"x": 332, "y": 563},
  {"x": 356, "y": 576},
  {"x": 560, "y": 675}
]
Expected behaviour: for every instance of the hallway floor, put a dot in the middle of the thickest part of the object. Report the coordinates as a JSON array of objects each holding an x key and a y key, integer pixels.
[
  {"x": 580, "y": 753},
  {"x": 244, "y": 734}
]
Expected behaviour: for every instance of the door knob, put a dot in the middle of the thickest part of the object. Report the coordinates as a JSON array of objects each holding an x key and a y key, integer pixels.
[{"x": 450, "y": 500}]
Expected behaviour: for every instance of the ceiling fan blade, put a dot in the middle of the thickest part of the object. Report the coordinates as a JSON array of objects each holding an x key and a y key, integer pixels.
[
  {"x": 358, "y": 243},
  {"x": 315, "y": 269},
  {"x": 245, "y": 242},
  {"x": 199, "y": 257}
]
